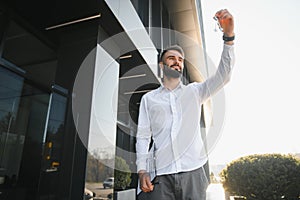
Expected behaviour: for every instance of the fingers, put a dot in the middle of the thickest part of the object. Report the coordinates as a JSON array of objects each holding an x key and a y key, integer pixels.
[
  {"x": 145, "y": 183},
  {"x": 149, "y": 184},
  {"x": 221, "y": 14}
]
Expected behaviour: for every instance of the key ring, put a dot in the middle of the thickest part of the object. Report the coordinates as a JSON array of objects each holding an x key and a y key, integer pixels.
[{"x": 217, "y": 24}]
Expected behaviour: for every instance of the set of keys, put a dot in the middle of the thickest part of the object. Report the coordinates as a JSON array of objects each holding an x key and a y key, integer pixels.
[{"x": 217, "y": 24}]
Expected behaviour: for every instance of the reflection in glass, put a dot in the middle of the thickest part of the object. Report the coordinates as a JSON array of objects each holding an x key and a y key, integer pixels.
[
  {"x": 52, "y": 147},
  {"x": 103, "y": 122},
  {"x": 23, "y": 110}
]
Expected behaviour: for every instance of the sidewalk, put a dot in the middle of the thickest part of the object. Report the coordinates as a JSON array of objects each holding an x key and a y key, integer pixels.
[{"x": 215, "y": 191}]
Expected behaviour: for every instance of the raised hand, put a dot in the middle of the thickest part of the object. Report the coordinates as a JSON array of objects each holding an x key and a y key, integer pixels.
[{"x": 226, "y": 22}]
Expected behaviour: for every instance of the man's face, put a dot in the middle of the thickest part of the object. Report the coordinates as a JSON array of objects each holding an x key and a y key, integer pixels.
[{"x": 173, "y": 64}]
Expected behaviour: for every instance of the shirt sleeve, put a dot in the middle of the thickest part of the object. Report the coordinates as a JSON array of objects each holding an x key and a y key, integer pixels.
[
  {"x": 220, "y": 78},
  {"x": 143, "y": 137}
]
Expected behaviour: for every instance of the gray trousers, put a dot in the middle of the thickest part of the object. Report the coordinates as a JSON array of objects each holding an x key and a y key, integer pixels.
[{"x": 190, "y": 185}]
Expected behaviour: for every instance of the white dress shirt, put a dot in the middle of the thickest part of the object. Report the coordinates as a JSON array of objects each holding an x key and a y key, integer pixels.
[{"x": 172, "y": 119}]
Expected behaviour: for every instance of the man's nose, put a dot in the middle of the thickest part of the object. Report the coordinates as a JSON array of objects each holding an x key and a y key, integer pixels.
[{"x": 176, "y": 62}]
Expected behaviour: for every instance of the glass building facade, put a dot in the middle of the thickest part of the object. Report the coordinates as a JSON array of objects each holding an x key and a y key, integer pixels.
[{"x": 72, "y": 74}]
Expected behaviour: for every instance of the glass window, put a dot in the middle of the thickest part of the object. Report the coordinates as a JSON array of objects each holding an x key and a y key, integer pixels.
[
  {"x": 23, "y": 111},
  {"x": 142, "y": 8},
  {"x": 55, "y": 130}
]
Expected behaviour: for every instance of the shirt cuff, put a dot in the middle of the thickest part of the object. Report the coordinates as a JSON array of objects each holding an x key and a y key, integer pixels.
[
  {"x": 228, "y": 46},
  {"x": 141, "y": 166}
]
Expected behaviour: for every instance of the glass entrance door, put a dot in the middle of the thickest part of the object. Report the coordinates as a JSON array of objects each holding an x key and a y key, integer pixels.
[{"x": 23, "y": 116}]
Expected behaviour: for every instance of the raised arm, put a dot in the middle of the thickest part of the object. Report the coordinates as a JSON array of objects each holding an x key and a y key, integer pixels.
[{"x": 222, "y": 75}]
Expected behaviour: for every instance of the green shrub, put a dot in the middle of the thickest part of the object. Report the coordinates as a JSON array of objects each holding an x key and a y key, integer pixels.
[
  {"x": 263, "y": 177},
  {"x": 122, "y": 174}
]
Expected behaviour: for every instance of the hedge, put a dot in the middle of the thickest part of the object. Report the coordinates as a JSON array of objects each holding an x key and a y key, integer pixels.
[
  {"x": 122, "y": 174},
  {"x": 263, "y": 177}
]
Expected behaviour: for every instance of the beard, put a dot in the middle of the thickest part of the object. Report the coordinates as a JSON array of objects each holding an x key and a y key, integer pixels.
[{"x": 171, "y": 73}]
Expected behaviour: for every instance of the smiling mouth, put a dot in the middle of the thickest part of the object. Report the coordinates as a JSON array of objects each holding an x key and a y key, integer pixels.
[
  {"x": 173, "y": 71},
  {"x": 176, "y": 67}
]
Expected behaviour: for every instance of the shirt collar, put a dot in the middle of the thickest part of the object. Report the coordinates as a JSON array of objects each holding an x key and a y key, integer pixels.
[{"x": 179, "y": 86}]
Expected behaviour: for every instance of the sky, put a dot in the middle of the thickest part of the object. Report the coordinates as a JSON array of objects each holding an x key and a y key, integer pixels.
[{"x": 263, "y": 96}]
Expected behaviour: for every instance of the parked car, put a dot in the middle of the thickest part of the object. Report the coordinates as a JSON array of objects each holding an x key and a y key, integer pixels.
[{"x": 108, "y": 183}]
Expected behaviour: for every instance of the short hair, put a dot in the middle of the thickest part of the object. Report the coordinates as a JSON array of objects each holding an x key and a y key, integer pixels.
[{"x": 173, "y": 47}]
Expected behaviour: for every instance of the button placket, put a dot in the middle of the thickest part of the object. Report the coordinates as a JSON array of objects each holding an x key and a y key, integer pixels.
[{"x": 174, "y": 129}]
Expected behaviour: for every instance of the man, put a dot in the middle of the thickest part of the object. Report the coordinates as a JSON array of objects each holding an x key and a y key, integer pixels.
[{"x": 170, "y": 116}]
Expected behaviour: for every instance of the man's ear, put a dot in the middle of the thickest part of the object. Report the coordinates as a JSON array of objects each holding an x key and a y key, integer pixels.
[
  {"x": 161, "y": 73},
  {"x": 161, "y": 65}
]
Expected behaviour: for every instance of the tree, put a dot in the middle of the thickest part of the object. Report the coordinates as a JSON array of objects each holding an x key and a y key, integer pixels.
[
  {"x": 7, "y": 123},
  {"x": 263, "y": 177},
  {"x": 97, "y": 170},
  {"x": 213, "y": 178}
]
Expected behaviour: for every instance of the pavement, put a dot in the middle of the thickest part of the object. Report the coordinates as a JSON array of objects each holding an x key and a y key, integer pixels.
[
  {"x": 215, "y": 191},
  {"x": 99, "y": 190}
]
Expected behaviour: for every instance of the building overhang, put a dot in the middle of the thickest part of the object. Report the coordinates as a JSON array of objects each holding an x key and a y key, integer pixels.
[{"x": 186, "y": 18}]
